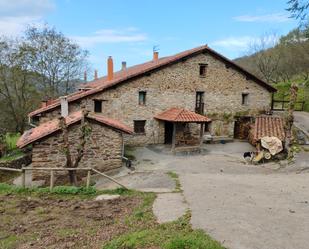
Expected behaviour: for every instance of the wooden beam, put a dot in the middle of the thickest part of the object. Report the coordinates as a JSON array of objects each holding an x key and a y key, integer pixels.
[
  {"x": 108, "y": 177},
  {"x": 23, "y": 179},
  {"x": 88, "y": 179},
  {"x": 202, "y": 134},
  {"x": 174, "y": 137},
  {"x": 56, "y": 169},
  {"x": 52, "y": 177},
  {"x": 11, "y": 169}
]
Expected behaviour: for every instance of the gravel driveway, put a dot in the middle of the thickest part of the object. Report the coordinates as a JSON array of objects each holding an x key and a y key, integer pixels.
[{"x": 242, "y": 206}]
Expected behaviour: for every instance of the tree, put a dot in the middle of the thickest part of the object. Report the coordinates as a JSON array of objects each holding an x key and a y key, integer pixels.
[
  {"x": 265, "y": 61},
  {"x": 59, "y": 61},
  {"x": 289, "y": 118},
  {"x": 18, "y": 94},
  {"x": 298, "y": 9},
  {"x": 85, "y": 130}
]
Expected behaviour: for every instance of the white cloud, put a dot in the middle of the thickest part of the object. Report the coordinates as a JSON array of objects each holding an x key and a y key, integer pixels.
[
  {"x": 238, "y": 43},
  {"x": 110, "y": 36},
  {"x": 275, "y": 17},
  {"x": 16, "y": 15},
  {"x": 243, "y": 43}
]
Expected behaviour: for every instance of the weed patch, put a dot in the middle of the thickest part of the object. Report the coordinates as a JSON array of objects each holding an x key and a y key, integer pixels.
[{"x": 175, "y": 177}]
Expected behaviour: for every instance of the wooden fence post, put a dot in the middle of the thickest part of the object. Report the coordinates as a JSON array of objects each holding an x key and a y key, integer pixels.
[
  {"x": 88, "y": 179},
  {"x": 23, "y": 178},
  {"x": 51, "y": 180}
]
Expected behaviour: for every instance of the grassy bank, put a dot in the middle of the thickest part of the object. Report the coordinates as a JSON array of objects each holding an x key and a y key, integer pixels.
[{"x": 283, "y": 93}]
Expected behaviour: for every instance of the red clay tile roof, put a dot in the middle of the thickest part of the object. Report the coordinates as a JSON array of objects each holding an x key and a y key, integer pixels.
[
  {"x": 182, "y": 115},
  {"x": 270, "y": 126},
  {"x": 52, "y": 126},
  {"x": 141, "y": 69}
]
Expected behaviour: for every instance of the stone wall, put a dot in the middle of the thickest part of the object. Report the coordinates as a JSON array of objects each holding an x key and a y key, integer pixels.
[
  {"x": 176, "y": 86},
  {"x": 103, "y": 149},
  {"x": 17, "y": 163}
]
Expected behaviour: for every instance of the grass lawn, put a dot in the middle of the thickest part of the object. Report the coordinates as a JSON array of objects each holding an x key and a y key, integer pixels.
[
  {"x": 69, "y": 217},
  {"x": 283, "y": 93}
]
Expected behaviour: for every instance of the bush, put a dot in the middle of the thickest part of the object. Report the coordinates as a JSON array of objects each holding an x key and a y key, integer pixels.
[{"x": 10, "y": 141}]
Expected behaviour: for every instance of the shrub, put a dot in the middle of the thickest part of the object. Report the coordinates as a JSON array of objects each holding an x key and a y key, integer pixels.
[{"x": 10, "y": 140}]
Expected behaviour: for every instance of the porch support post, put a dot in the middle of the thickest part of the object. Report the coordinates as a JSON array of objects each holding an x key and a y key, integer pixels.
[
  {"x": 174, "y": 137},
  {"x": 201, "y": 134}
]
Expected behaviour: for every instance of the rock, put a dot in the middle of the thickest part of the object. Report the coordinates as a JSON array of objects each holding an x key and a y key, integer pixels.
[{"x": 106, "y": 197}]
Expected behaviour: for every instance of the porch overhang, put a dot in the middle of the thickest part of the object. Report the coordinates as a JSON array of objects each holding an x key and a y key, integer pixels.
[{"x": 180, "y": 115}]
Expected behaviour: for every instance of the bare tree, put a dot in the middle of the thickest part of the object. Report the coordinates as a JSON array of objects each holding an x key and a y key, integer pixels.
[
  {"x": 266, "y": 62},
  {"x": 72, "y": 162},
  {"x": 59, "y": 61},
  {"x": 298, "y": 9}
]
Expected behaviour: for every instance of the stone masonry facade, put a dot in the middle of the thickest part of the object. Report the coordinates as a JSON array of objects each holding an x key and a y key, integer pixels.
[
  {"x": 176, "y": 86},
  {"x": 103, "y": 149}
]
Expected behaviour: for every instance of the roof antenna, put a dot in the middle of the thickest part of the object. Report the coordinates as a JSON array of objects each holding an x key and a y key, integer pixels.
[{"x": 155, "y": 48}]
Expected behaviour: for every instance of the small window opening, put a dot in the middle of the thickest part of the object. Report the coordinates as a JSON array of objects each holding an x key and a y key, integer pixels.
[
  {"x": 203, "y": 69},
  {"x": 139, "y": 126},
  {"x": 142, "y": 98},
  {"x": 35, "y": 120},
  {"x": 207, "y": 127},
  {"x": 245, "y": 98},
  {"x": 97, "y": 105}
]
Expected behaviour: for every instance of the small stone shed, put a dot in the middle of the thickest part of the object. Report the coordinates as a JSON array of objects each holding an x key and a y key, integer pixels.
[
  {"x": 267, "y": 126},
  {"x": 179, "y": 130},
  {"x": 103, "y": 150}
]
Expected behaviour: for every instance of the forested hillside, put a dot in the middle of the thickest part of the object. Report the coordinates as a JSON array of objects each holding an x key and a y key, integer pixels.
[{"x": 286, "y": 62}]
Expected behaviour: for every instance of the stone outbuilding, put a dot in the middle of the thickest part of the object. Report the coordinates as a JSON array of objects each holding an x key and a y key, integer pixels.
[{"x": 103, "y": 149}]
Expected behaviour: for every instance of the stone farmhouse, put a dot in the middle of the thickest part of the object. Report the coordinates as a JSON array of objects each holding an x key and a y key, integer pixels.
[{"x": 171, "y": 100}]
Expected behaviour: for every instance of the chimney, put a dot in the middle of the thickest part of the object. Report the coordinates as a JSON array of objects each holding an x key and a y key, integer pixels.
[
  {"x": 123, "y": 66},
  {"x": 85, "y": 76},
  {"x": 95, "y": 74},
  {"x": 64, "y": 106},
  {"x": 155, "y": 55},
  {"x": 43, "y": 103},
  {"x": 110, "y": 68}
]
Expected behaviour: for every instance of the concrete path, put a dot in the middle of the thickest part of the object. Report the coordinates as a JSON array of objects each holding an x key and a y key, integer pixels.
[
  {"x": 242, "y": 206},
  {"x": 169, "y": 207},
  {"x": 157, "y": 182},
  {"x": 301, "y": 120}
]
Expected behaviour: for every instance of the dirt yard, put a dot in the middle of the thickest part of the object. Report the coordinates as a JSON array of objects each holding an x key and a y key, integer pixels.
[{"x": 49, "y": 222}]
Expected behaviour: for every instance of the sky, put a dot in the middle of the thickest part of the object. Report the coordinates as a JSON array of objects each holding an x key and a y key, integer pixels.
[{"x": 129, "y": 29}]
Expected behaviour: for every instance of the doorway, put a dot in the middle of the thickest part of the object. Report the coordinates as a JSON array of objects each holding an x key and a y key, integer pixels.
[
  {"x": 168, "y": 132},
  {"x": 242, "y": 127}
]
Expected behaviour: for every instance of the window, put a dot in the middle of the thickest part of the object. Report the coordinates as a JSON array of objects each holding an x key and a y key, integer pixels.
[
  {"x": 35, "y": 120},
  {"x": 139, "y": 126},
  {"x": 203, "y": 69},
  {"x": 97, "y": 105},
  {"x": 244, "y": 100},
  {"x": 199, "y": 103},
  {"x": 142, "y": 98}
]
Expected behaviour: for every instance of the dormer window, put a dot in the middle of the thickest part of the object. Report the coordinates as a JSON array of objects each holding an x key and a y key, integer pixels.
[{"x": 203, "y": 70}]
